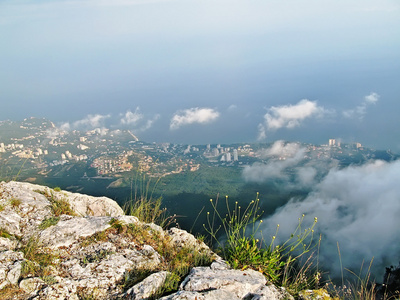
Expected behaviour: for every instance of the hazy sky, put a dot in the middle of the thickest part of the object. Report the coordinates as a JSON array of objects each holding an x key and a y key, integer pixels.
[{"x": 207, "y": 71}]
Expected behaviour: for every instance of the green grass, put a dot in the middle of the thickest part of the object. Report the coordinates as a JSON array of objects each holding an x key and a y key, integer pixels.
[
  {"x": 177, "y": 260},
  {"x": 37, "y": 259},
  {"x": 244, "y": 247},
  {"x": 14, "y": 202},
  {"x": 146, "y": 208},
  {"x": 4, "y": 233},
  {"x": 359, "y": 286},
  {"x": 48, "y": 222},
  {"x": 58, "y": 206}
]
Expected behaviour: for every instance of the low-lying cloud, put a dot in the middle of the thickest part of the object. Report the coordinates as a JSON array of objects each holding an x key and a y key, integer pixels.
[
  {"x": 357, "y": 207},
  {"x": 289, "y": 116},
  {"x": 193, "y": 115},
  {"x": 137, "y": 120},
  {"x": 360, "y": 111},
  {"x": 290, "y": 162},
  {"x": 132, "y": 118},
  {"x": 90, "y": 122}
]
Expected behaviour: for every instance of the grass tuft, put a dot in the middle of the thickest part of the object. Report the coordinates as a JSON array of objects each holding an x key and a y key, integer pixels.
[
  {"x": 146, "y": 208},
  {"x": 38, "y": 260},
  {"x": 14, "y": 202},
  {"x": 58, "y": 206},
  {"x": 4, "y": 233},
  {"x": 242, "y": 249},
  {"x": 48, "y": 222}
]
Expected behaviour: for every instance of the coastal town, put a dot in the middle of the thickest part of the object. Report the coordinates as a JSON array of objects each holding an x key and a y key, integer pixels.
[{"x": 41, "y": 147}]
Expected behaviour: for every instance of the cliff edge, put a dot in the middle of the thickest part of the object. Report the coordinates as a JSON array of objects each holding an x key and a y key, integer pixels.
[{"x": 60, "y": 245}]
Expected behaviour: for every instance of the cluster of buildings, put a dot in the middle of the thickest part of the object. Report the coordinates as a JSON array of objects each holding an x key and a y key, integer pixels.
[{"x": 227, "y": 154}]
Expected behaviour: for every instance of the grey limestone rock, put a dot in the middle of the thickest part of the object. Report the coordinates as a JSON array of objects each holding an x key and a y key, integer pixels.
[
  {"x": 32, "y": 285},
  {"x": 148, "y": 287},
  {"x": 69, "y": 229},
  {"x": 10, "y": 267},
  {"x": 95, "y": 253}
]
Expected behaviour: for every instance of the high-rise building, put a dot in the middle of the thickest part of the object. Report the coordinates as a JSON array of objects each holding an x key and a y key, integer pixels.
[
  {"x": 235, "y": 155},
  {"x": 228, "y": 156},
  {"x": 215, "y": 152},
  {"x": 332, "y": 142}
]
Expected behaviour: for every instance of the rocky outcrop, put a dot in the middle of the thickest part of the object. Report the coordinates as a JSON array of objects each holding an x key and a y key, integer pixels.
[{"x": 61, "y": 245}]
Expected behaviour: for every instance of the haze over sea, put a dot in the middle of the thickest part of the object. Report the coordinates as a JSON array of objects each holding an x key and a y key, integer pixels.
[
  {"x": 206, "y": 71},
  {"x": 213, "y": 71}
]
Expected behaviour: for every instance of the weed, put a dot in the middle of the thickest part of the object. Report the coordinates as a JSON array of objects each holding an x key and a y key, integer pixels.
[
  {"x": 49, "y": 279},
  {"x": 95, "y": 257},
  {"x": 281, "y": 264},
  {"x": 57, "y": 189},
  {"x": 97, "y": 237},
  {"x": 10, "y": 171},
  {"x": 12, "y": 292},
  {"x": 149, "y": 210},
  {"x": 37, "y": 260},
  {"x": 14, "y": 202},
  {"x": 118, "y": 224},
  {"x": 177, "y": 260},
  {"x": 1, "y": 207},
  {"x": 4, "y": 233},
  {"x": 58, "y": 206},
  {"x": 361, "y": 288},
  {"x": 48, "y": 222},
  {"x": 146, "y": 208},
  {"x": 135, "y": 276},
  {"x": 85, "y": 294}
]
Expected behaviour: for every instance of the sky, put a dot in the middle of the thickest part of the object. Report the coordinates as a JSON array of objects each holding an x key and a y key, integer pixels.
[{"x": 210, "y": 71}]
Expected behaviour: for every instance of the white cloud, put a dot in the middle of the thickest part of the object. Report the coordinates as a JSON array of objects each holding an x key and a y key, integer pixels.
[
  {"x": 283, "y": 157},
  {"x": 90, "y": 122},
  {"x": 281, "y": 149},
  {"x": 290, "y": 116},
  {"x": 132, "y": 118},
  {"x": 357, "y": 207},
  {"x": 262, "y": 133},
  {"x": 193, "y": 115},
  {"x": 289, "y": 162},
  {"x": 232, "y": 107},
  {"x": 360, "y": 111},
  {"x": 149, "y": 123},
  {"x": 372, "y": 98},
  {"x": 137, "y": 120}
]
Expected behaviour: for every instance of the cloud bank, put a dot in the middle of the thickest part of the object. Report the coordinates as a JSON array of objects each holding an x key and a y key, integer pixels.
[
  {"x": 193, "y": 115},
  {"x": 359, "y": 208},
  {"x": 288, "y": 162}
]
